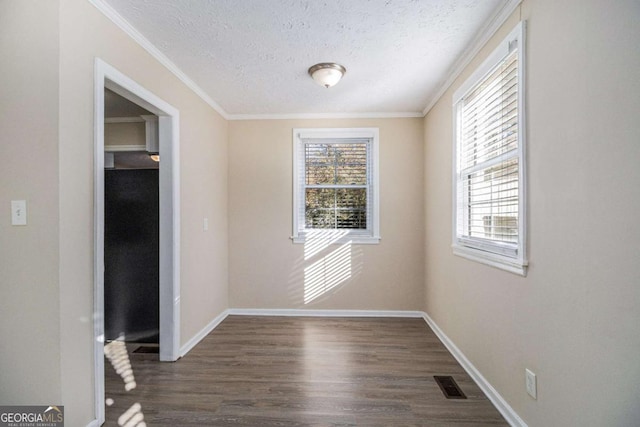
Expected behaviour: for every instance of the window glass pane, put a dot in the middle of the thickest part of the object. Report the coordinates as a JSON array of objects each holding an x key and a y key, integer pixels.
[
  {"x": 493, "y": 202},
  {"x": 489, "y": 115},
  {"x": 490, "y": 171},
  {"x": 330, "y": 208},
  {"x": 343, "y": 164},
  {"x": 320, "y": 208},
  {"x": 351, "y": 205},
  {"x": 351, "y": 164},
  {"x": 319, "y": 164}
]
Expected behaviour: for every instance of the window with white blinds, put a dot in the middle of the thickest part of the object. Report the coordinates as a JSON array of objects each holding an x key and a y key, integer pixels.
[
  {"x": 335, "y": 182},
  {"x": 489, "y": 152}
]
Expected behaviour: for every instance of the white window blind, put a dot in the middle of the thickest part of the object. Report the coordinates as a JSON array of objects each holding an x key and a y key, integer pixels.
[
  {"x": 489, "y": 156},
  {"x": 335, "y": 181}
]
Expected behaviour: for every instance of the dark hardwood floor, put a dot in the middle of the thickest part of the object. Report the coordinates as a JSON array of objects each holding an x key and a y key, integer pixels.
[{"x": 299, "y": 371}]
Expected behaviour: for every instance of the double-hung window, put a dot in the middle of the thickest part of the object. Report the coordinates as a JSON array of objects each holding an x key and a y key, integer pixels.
[
  {"x": 336, "y": 184},
  {"x": 489, "y": 190}
]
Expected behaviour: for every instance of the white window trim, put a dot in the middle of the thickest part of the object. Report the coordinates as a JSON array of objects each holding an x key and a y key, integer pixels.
[
  {"x": 465, "y": 247},
  {"x": 371, "y": 236}
]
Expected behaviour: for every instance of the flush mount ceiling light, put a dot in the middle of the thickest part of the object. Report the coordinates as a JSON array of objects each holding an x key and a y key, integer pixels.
[{"x": 327, "y": 74}]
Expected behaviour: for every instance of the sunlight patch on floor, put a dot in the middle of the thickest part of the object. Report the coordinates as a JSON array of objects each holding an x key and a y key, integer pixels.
[{"x": 116, "y": 352}]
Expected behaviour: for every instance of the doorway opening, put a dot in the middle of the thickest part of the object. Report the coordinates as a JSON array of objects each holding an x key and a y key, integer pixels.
[
  {"x": 131, "y": 223},
  {"x": 109, "y": 80}
]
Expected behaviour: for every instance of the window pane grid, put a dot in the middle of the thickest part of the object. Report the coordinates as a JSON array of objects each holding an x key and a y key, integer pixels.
[
  {"x": 335, "y": 163},
  {"x": 489, "y": 170},
  {"x": 492, "y": 202},
  {"x": 489, "y": 130},
  {"x": 336, "y": 185}
]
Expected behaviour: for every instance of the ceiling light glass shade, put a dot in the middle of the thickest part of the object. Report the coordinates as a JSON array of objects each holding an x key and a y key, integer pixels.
[{"x": 327, "y": 74}]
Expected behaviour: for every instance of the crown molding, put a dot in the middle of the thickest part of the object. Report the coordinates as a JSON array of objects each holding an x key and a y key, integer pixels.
[
  {"x": 481, "y": 38},
  {"x": 130, "y": 30},
  {"x": 294, "y": 116}
]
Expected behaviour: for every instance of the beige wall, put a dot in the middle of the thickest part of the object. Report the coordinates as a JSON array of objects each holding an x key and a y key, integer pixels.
[
  {"x": 85, "y": 34},
  {"x": 46, "y": 94},
  {"x": 124, "y": 134},
  {"x": 267, "y": 269},
  {"x": 574, "y": 319},
  {"x": 29, "y": 288}
]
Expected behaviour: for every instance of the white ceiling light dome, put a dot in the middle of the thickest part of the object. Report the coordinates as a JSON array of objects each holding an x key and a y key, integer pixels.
[{"x": 327, "y": 74}]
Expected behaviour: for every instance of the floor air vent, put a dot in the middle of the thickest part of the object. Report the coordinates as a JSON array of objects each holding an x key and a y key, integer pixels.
[{"x": 449, "y": 387}]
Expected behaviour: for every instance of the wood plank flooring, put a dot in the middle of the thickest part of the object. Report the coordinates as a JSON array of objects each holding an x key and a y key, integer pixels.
[{"x": 300, "y": 371}]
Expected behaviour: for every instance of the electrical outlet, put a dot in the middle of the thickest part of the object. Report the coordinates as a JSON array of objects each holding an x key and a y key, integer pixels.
[
  {"x": 205, "y": 224},
  {"x": 18, "y": 212},
  {"x": 531, "y": 383}
]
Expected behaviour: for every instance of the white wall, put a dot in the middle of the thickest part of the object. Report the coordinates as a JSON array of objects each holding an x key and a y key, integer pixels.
[
  {"x": 267, "y": 269},
  {"x": 574, "y": 319},
  {"x": 29, "y": 288}
]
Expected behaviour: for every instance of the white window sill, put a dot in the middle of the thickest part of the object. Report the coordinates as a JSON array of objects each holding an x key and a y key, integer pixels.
[
  {"x": 509, "y": 264},
  {"x": 356, "y": 240}
]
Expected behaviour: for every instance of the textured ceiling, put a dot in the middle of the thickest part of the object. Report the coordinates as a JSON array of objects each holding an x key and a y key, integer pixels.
[{"x": 251, "y": 56}]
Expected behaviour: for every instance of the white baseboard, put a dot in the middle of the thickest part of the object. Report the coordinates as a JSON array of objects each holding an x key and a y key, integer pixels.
[
  {"x": 189, "y": 345},
  {"x": 498, "y": 401},
  {"x": 186, "y": 348},
  {"x": 323, "y": 313},
  {"x": 94, "y": 423}
]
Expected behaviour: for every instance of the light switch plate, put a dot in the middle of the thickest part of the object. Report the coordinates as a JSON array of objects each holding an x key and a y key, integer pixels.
[
  {"x": 18, "y": 212},
  {"x": 531, "y": 383}
]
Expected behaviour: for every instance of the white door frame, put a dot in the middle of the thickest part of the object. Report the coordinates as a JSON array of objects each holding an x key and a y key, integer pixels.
[{"x": 108, "y": 77}]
